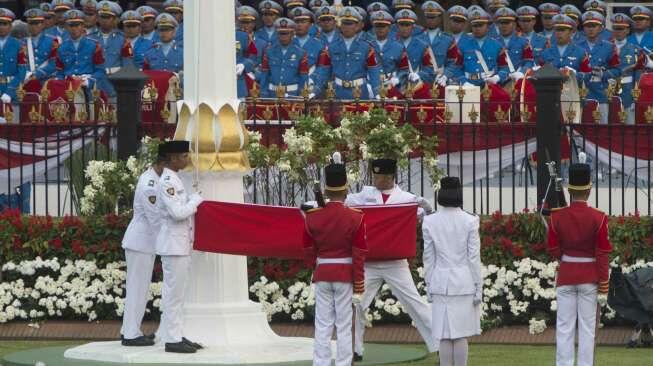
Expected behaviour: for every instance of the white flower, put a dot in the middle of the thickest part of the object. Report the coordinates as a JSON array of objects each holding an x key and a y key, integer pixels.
[{"x": 536, "y": 326}]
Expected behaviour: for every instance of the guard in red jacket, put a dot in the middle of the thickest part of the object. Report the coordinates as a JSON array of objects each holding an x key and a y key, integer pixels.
[
  {"x": 578, "y": 237},
  {"x": 335, "y": 244}
]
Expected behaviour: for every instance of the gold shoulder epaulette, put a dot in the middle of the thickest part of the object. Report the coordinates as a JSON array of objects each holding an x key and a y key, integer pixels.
[
  {"x": 356, "y": 210},
  {"x": 314, "y": 209}
]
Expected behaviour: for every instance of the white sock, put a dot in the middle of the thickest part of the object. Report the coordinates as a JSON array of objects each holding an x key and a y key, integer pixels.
[{"x": 446, "y": 352}]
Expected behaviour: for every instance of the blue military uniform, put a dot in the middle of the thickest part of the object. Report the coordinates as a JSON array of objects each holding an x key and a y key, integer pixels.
[
  {"x": 641, "y": 39},
  {"x": 458, "y": 12},
  {"x": 165, "y": 56},
  {"x": 600, "y": 7},
  {"x": 603, "y": 61},
  {"x": 80, "y": 57},
  {"x": 170, "y": 6},
  {"x": 138, "y": 44},
  {"x": 44, "y": 48},
  {"x": 631, "y": 60},
  {"x": 327, "y": 37},
  {"x": 12, "y": 60},
  {"x": 548, "y": 9},
  {"x": 488, "y": 49},
  {"x": 268, "y": 34},
  {"x": 417, "y": 49},
  {"x": 59, "y": 31},
  {"x": 537, "y": 42},
  {"x": 518, "y": 49},
  {"x": 148, "y": 12},
  {"x": 243, "y": 57},
  {"x": 443, "y": 45},
  {"x": 390, "y": 53},
  {"x": 248, "y": 13},
  {"x": 350, "y": 63},
  {"x": 283, "y": 67}
]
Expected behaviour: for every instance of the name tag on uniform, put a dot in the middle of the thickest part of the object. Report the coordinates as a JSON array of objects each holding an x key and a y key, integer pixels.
[{"x": 370, "y": 200}]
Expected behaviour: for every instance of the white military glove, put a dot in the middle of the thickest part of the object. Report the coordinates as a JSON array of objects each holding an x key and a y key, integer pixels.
[
  {"x": 467, "y": 84},
  {"x": 311, "y": 95},
  {"x": 28, "y": 75},
  {"x": 85, "y": 79},
  {"x": 394, "y": 81},
  {"x": 356, "y": 299},
  {"x": 536, "y": 67},
  {"x": 517, "y": 75},
  {"x": 493, "y": 79},
  {"x": 196, "y": 199},
  {"x": 5, "y": 98},
  {"x": 239, "y": 69},
  {"x": 425, "y": 205},
  {"x": 413, "y": 77},
  {"x": 442, "y": 80},
  {"x": 485, "y": 75},
  {"x": 478, "y": 295}
]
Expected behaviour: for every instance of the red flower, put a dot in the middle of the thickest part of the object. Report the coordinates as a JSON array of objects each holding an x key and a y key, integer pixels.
[
  {"x": 70, "y": 222},
  {"x": 78, "y": 248},
  {"x": 506, "y": 243},
  {"x": 56, "y": 243},
  {"x": 517, "y": 251},
  {"x": 526, "y": 210},
  {"x": 18, "y": 244}
]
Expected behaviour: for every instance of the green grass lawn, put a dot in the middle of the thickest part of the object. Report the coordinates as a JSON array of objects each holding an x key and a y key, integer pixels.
[{"x": 480, "y": 355}]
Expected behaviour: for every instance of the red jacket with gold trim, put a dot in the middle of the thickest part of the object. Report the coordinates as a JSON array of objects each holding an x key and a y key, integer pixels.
[
  {"x": 335, "y": 233},
  {"x": 580, "y": 231}
]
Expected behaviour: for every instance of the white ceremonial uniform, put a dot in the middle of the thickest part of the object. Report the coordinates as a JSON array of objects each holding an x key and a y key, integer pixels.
[
  {"x": 174, "y": 243},
  {"x": 395, "y": 273},
  {"x": 139, "y": 244},
  {"x": 452, "y": 266}
]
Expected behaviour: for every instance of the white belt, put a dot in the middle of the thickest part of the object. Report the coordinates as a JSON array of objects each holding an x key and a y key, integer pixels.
[
  {"x": 627, "y": 80},
  {"x": 473, "y": 75},
  {"x": 346, "y": 260},
  {"x": 595, "y": 79},
  {"x": 570, "y": 259},
  {"x": 349, "y": 83},
  {"x": 288, "y": 88},
  {"x": 112, "y": 70}
]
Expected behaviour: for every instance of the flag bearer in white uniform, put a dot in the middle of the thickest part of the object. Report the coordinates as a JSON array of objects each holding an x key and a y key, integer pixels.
[
  {"x": 335, "y": 243},
  {"x": 452, "y": 264},
  {"x": 174, "y": 244},
  {"x": 578, "y": 237},
  {"x": 139, "y": 244},
  {"x": 395, "y": 273}
]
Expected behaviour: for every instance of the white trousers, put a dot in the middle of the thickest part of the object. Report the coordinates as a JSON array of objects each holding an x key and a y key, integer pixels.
[
  {"x": 139, "y": 276},
  {"x": 176, "y": 270},
  {"x": 332, "y": 308},
  {"x": 576, "y": 303},
  {"x": 397, "y": 275}
]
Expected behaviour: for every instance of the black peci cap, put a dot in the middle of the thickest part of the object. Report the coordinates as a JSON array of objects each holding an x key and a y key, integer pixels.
[
  {"x": 579, "y": 177},
  {"x": 384, "y": 166},
  {"x": 174, "y": 147},
  {"x": 450, "y": 193}
]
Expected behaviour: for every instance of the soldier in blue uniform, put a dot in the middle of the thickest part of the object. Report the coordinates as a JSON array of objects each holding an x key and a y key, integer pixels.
[
  {"x": 176, "y": 9},
  {"x": 291, "y": 4},
  {"x": 390, "y": 53},
  {"x": 246, "y": 56},
  {"x": 79, "y": 56},
  {"x": 60, "y": 7},
  {"x": 328, "y": 28},
  {"x": 89, "y": 7},
  {"x": 420, "y": 66},
  {"x": 519, "y": 54},
  {"x": 604, "y": 61},
  {"x": 284, "y": 69},
  {"x": 116, "y": 49},
  {"x": 632, "y": 61},
  {"x": 599, "y": 7},
  {"x": 303, "y": 19},
  {"x": 50, "y": 19},
  {"x": 442, "y": 45},
  {"x": 484, "y": 59},
  {"x": 564, "y": 54},
  {"x": 148, "y": 30},
  {"x": 131, "y": 24},
  {"x": 547, "y": 12},
  {"x": 270, "y": 11},
  {"x": 641, "y": 34},
  {"x": 247, "y": 17},
  {"x": 458, "y": 22},
  {"x": 575, "y": 14},
  {"x": 166, "y": 54},
  {"x": 526, "y": 16},
  {"x": 349, "y": 61},
  {"x": 399, "y": 5},
  {"x": 315, "y": 5},
  {"x": 12, "y": 58},
  {"x": 492, "y": 6},
  {"x": 40, "y": 48}
]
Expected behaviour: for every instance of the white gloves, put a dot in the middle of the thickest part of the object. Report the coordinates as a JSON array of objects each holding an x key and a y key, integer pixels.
[
  {"x": 196, "y": 199},
  {"x": 517, "y": 75},
  {"x": 28, "y": 75},
  {"x": 478, "y": 295},
  {"x": 394, "y": 81},
  {"x": 356, "y": 299},
  {"x": 486, "y": 75},
  {"x": 493, "y": 79},
  {"x": 425, "y": 205},
  {"x": 413, "y": 77},
  {"x": 311, "y": 96},
  {"x": 442, "y": 80},
  {"x": 239, "y": 69},
  {"x": 536, "y": 67},
  {"x": 85, "y": 79},
  {"x": 5, "y": 98}
]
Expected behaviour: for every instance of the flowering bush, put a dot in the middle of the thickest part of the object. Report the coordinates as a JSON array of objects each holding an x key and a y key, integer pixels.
[
  {"x": 114, "y": 182},
  {"x": 81, "y": 259}
]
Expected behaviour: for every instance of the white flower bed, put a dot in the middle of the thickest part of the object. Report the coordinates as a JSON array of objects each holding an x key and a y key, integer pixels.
[{"x": 49, "y": 289}]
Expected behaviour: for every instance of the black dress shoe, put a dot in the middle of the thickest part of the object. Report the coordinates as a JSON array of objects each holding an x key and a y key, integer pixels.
[
  {"x": 150, "y": 336},
  {"x": 141, "y": 341},
  {"x": 357, "y": 357},
  {"x": 191, "y": 343},
  {"x": 179, "y": 347}
]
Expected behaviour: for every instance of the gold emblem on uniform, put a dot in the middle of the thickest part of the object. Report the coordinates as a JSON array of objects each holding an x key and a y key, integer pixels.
[
  {"x": 629, "y": 58},
  {"x": 237, "y": 45},
  {"x": 106, "y": 7},
  {"x": 171, "y": 191},
  {"x": 152, "y": 199},
  {"x": 347, "y": 12}
]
